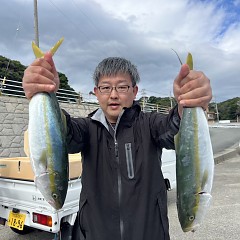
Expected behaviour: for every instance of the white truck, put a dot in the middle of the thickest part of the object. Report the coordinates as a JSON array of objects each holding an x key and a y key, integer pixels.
[
  {"x": 169, "y": 168},
  {"x": 23, "y": 207}
]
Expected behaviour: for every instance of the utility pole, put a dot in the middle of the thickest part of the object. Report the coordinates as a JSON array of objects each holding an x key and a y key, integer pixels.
[
  {"x": 36, "y": 23},
  {"x": 170, "y": 98},
  {"x": 216, "y": 107},
  {"x": 144, "y": 99}
]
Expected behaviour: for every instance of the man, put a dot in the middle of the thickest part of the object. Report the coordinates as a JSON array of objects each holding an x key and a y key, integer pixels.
[{"x": 123, "y": 193}]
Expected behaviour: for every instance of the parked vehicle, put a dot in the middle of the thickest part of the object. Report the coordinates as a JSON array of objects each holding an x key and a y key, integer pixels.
[{"x": 23, "y": 207}]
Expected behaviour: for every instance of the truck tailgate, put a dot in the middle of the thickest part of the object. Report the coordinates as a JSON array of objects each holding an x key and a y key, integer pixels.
[{"x": 25, "y": 197}]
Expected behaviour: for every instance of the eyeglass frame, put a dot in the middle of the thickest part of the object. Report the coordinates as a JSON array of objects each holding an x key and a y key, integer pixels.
[{"x": 115, "y": 88}]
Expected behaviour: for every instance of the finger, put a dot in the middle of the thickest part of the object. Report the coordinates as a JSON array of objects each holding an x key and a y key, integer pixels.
[
  {"x": 188, "y": 86},
  {"x": 198, "y": 81},
  {"x": 184, "y": 71},
  {"x": 197, "y": 102},
  {"x": 193, "y": 94},
  {"x": 38, "y": 74},
  {"x": 43, "y": 63},
  {"x": 33, "y": 88},
  {"x": 48, "y": 57}
]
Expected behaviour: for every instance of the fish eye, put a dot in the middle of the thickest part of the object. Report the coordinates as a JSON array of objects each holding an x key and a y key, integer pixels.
[
  {"x": 191, "y": 218},
  {"x": 54, "y": 195}
]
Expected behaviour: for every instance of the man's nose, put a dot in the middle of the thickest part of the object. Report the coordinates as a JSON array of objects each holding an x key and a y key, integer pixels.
[{"x": 114, "y": 93}]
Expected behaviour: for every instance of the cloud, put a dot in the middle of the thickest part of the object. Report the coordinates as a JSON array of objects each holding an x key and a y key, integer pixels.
[{"x": 142, "y": 31}]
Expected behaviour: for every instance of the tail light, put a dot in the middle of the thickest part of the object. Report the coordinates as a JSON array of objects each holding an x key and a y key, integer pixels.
[{"x": 42, "y": 219}]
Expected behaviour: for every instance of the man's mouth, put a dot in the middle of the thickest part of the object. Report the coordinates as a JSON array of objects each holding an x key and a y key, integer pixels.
[{"x": 114, "y": 105}]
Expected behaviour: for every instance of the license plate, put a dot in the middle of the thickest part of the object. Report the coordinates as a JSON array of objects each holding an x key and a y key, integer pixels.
[{"x": 16, "y": 220}]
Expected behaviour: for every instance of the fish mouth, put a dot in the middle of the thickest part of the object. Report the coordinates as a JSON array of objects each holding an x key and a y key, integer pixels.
[{"x": 192, "y": 228}]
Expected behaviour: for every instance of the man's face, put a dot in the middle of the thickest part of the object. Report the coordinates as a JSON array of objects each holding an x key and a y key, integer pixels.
[{"x": 113, "y": 102}]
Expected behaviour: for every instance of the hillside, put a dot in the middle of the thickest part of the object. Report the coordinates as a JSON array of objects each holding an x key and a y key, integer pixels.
[{"x": 14, "y": 70}]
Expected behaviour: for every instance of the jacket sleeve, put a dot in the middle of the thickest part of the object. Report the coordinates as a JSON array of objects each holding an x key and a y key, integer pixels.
[
  {"x": 77, "y": 133},
  {"x": 164, "y": 127}
]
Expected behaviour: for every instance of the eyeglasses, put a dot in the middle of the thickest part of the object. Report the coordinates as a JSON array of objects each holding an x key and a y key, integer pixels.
[{"x": 119, "y": 89}]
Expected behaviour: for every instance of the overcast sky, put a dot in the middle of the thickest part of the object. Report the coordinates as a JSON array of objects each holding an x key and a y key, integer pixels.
[{"x": 141, "y": 31}]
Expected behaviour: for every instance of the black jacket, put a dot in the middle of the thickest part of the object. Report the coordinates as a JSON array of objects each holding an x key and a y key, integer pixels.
[{"x": 123, "y": 193}]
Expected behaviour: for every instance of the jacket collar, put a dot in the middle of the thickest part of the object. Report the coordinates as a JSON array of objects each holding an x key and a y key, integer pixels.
[{"x": 126, "y": 117}]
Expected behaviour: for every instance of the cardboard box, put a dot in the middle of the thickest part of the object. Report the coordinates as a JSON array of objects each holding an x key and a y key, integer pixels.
[{"x": 20, "y": 167}]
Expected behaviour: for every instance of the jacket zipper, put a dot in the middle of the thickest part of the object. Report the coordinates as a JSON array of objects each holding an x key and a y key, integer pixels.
[
  {"x": 119, "y": 187},
  {"x": 119, "y": 179}
]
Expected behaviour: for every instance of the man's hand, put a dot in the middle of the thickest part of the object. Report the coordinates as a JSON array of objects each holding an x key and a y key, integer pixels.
[
  {"x": 40, "y": 76},
  {"x": 191, "y": 89}
]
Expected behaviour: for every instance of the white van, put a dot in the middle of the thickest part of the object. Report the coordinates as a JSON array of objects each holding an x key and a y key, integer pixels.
[{"x": 169, "y": 168}]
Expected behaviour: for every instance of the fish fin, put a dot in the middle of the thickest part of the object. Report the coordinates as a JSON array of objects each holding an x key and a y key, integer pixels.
[
  {"x": 64, "y": 120},
  {"x": 204, "y": 179},
  {"x": 56, "y": 46},
  {"x": 178, "y": 56},
  {"x": 176, "y": 141},
  {"x": 37, "y": 51},
  {"x": 190, "y": 61},
  {"x": 43, "y": 159}
]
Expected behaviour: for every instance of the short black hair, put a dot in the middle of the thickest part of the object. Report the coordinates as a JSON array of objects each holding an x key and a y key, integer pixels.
[{"x": 112, "y": 66}]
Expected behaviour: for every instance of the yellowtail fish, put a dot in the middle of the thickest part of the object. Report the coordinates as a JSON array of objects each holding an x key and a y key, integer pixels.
[
  {"x": 47, "y": 144},
  {"x": 194, "y": 166}
]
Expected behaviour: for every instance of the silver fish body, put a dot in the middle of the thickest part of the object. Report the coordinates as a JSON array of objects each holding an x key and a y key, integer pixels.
[
  {"x": 48, "y": 148},
  {"x": 194, "y": 168}
]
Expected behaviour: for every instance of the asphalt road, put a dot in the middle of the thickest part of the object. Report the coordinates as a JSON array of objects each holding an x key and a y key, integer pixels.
[
  {"x": 223, "y": 218},
  {"x": 223, "y": 137}
]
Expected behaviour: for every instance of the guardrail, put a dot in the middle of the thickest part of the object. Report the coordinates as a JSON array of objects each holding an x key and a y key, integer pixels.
[{"x": 13, "y": 88}]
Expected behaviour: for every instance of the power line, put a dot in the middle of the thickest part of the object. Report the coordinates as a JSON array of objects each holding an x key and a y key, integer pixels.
[
  {"x": 89, "y": 19},
  {"x": 78, "y": 26},
  {"x": 93, "y": 24},
  {"x": 72, "y": 22},
  {"x": 155, "y": 92}
]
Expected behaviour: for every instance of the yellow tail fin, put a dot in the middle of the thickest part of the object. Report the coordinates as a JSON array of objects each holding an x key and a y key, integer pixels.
[{"x": 39, "y": 53}]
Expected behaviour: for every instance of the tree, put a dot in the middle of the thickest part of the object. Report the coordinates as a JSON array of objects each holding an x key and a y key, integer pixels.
[
  {"x": 229, "y": 110},
  {"x": 14, "y": 70}
]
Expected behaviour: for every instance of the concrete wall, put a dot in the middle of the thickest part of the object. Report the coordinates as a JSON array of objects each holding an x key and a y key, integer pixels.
[{"x": 14, "y": 121}]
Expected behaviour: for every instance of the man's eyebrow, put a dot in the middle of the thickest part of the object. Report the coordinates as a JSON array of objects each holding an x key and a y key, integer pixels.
[{"x": 119, "y": 81}]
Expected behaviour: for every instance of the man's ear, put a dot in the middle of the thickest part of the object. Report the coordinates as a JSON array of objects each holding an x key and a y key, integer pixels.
[
  {"x": 95, "y": 90},
  {"x": 135, "y": 90}
]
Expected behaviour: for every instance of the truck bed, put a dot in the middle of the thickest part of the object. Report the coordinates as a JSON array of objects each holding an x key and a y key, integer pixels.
[{"x": 18, "y": 193}]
